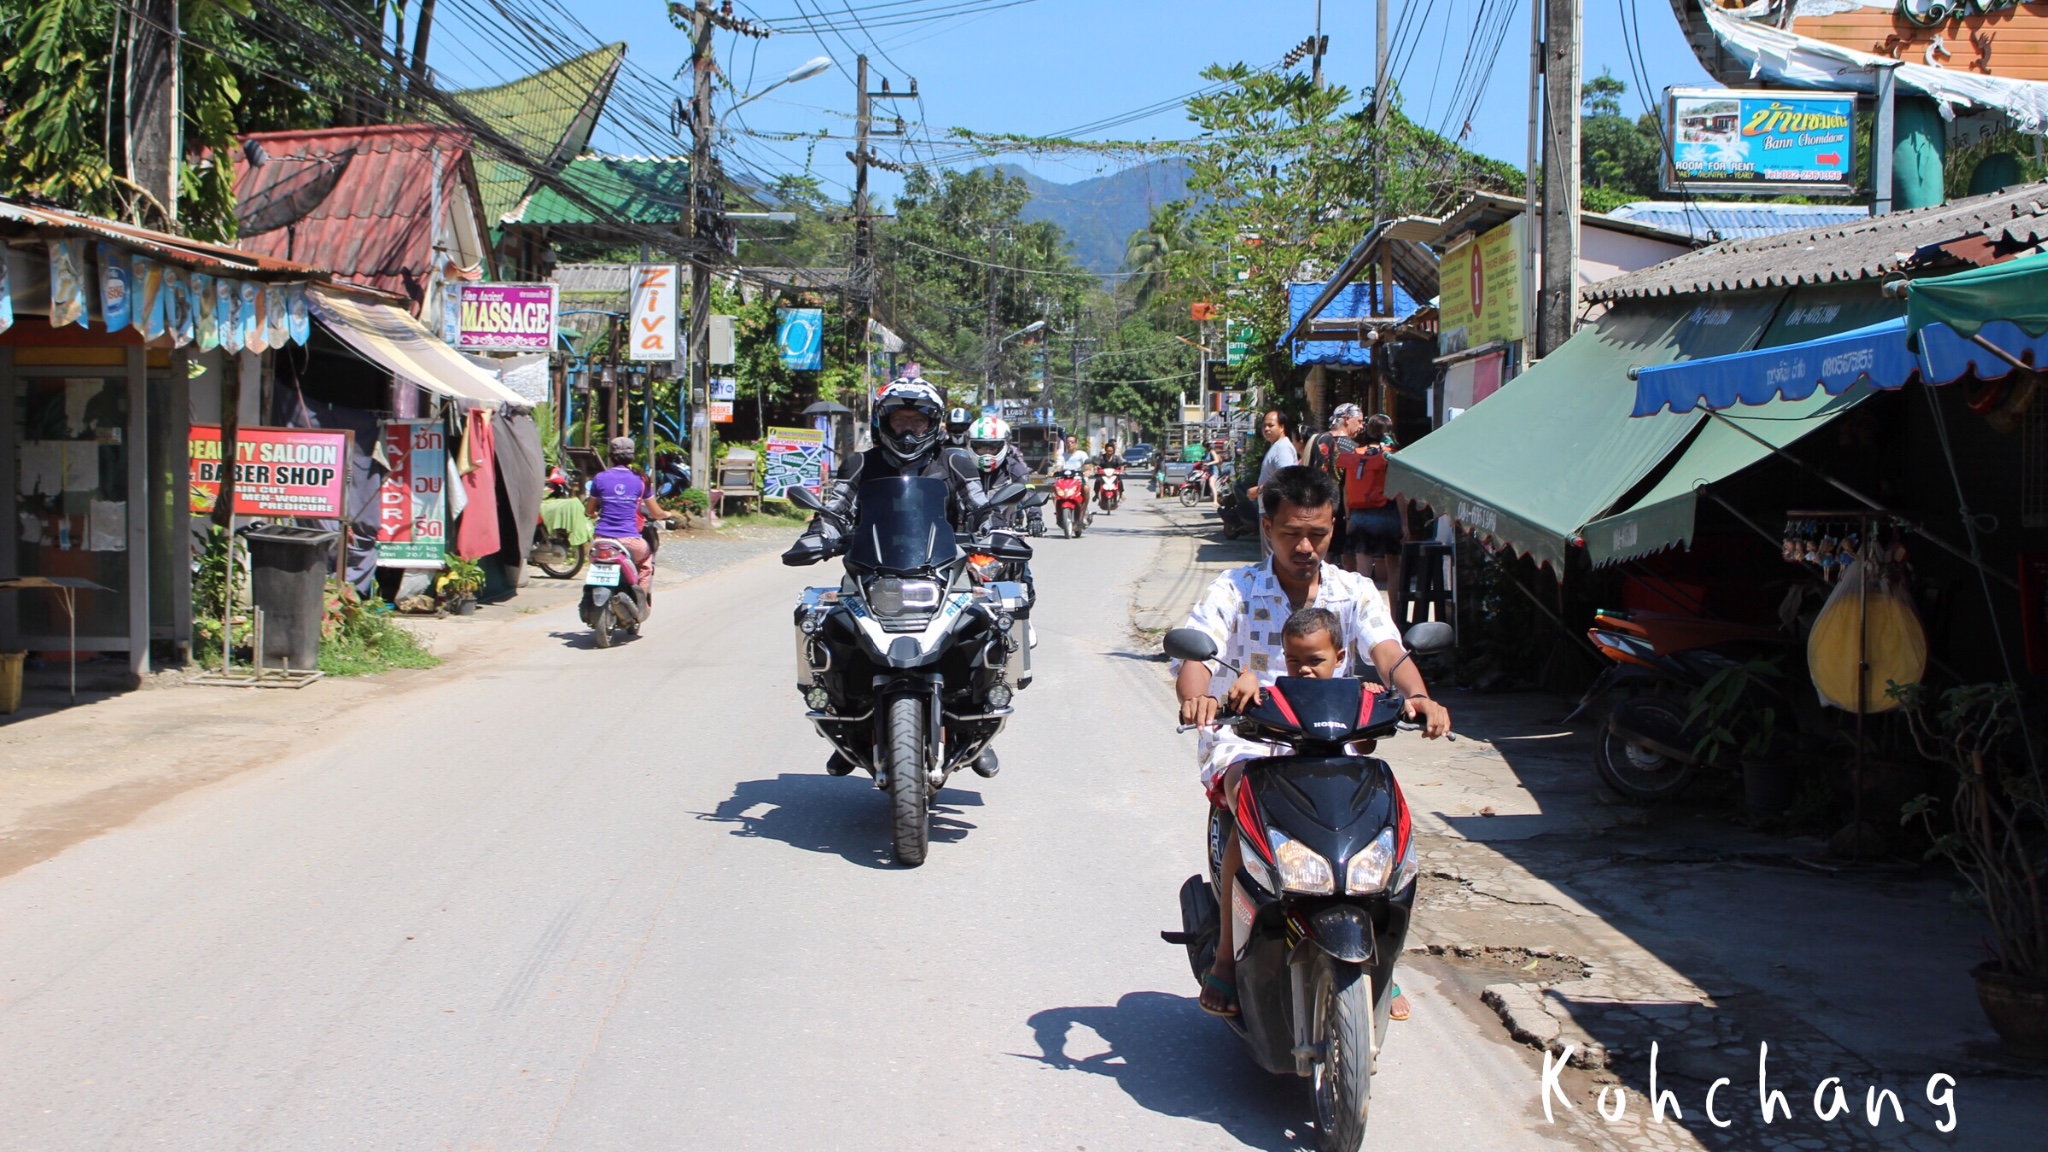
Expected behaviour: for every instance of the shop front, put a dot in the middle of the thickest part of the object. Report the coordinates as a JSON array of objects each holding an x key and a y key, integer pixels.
[{"x": 108, "y": 334}]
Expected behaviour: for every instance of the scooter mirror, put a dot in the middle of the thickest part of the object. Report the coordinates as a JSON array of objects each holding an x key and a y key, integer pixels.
[
  {"x": 804, "y": 498},
  {"x": 1430, "y": 636},
  {"x": 1190, "y": 644}
]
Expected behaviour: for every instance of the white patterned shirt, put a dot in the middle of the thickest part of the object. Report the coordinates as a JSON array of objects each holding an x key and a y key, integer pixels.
[{"x": 1244, "y": 611}]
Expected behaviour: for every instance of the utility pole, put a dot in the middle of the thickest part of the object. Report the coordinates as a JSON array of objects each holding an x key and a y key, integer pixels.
[
  {"x": 1529, "y": 185},
  {"x": 1559, "y": 300},
  {"x": 1316, "y": 71},
  {"x": 155, "y": 137},
  {"x": 860, "y": 295},
  {"x": 1379, "y": 73}
]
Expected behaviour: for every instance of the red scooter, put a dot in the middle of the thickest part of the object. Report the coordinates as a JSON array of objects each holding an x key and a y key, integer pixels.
[
  {"x": 1070, "y": 497},
  {"x": 1109, "y": 488}
]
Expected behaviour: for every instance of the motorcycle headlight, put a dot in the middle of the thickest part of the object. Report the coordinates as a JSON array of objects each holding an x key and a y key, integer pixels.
[
  {"x": 1370, "y": 869},
  {"x": 890, "y": 596},
  {"x": 999, "y": 696},
  {"x": 818, "y": 699},
  {"x": 1302, "y": 869}
]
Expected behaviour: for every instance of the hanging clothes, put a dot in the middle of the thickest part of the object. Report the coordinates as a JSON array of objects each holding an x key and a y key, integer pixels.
[{"x": 477, "y": 536}]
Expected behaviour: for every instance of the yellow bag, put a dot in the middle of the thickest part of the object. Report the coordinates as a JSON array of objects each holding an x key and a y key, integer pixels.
[{"x": 1893, "y": 642}]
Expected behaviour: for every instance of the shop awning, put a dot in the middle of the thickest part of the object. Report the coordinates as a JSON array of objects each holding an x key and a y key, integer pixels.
[
  {"x": 1875, "y": 356},
  {"x": 1556, "y": 447},
  {"x": 388, "y": 335},
  {"x": 2015, "y": 292},
  {"x": 1664, "y": 516}
]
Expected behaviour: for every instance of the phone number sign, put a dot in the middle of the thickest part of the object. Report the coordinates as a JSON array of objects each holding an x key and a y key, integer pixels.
[{"x": 412, "y": 501}]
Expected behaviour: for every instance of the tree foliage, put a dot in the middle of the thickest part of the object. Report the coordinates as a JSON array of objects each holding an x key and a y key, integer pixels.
[{"x": 1619, "y": 159}]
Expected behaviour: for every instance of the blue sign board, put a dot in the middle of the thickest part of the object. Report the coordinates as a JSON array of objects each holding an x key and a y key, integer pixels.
[
  {"x": 801, "y": 333},
  {"x": 1740, "y": 141}
]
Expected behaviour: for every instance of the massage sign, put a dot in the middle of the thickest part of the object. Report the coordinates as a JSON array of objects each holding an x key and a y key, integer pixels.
[{"x": 278, "y": 471}]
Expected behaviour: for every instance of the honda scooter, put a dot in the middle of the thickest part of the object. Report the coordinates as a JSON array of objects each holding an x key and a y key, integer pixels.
[
  {"x": 1070, "y": 503},
  {"x": 612, "y": 595},
  {"x": 1109, "y": 489},
  {"x": 1322, "y": 903}
]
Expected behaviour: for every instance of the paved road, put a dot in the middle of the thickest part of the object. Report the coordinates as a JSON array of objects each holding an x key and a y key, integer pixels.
[{"x": 609, "y": 900}]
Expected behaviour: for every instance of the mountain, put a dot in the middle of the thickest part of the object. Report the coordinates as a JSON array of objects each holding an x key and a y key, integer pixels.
[{"x": 1099, "y": 214}]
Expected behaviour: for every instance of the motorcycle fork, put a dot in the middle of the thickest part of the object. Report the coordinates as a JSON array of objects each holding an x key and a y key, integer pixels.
[{"x": 931, "y": 686}]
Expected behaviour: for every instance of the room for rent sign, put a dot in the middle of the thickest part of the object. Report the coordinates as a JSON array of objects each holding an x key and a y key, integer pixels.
[{"x": 278, "y": 471}]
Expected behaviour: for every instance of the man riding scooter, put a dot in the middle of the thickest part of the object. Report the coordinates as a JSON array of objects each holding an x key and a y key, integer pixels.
[{"x": 1109, "y": 467}]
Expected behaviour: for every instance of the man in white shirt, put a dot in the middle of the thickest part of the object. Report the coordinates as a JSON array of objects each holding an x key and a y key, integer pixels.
[
  {"x": 1244, "y": 611},
  {"x": 1279, "y": 454},
  {"x": 1074, "y": 457}
]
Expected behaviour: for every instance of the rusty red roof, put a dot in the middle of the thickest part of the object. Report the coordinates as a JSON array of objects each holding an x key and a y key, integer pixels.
[
  {"x": 357, "y": 201},
  {"x": 198, "y": 255}
]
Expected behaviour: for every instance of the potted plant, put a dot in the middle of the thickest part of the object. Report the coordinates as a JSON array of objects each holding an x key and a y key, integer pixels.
[
  {"x": 1993, "y": 837},
  {"x": 458, "y": 585},
  {"x": 1736, "y": 722}
]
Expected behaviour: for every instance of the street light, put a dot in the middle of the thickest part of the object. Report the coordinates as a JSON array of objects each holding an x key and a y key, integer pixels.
[
  {"x": 804, "y": 71},
  {"x": 988, "y": 374}
]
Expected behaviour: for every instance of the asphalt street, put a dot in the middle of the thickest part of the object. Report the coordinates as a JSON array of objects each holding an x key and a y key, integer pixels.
[{"x": 593, "y": 900}]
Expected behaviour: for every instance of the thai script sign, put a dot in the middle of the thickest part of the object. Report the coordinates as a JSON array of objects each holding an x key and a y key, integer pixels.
[
  {"x": 653, "y": 310},
  {"x": 1724, "y": 140},
  {"x": 505, "y": 317},
  {"x": 278, "y": 471},
  {"x": 412, "y": 501},
  {"x": 1482, "y": 290},
  {"x": 796, "y": 459}
]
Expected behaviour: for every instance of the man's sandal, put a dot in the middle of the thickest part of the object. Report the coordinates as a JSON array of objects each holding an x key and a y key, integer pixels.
[
  {"x": 1225, "y": 1002},
  {"x": 1398, "y": 1010}
]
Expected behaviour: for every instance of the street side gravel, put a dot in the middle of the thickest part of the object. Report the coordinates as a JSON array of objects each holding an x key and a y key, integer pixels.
[{"x": 700, "y": 552}]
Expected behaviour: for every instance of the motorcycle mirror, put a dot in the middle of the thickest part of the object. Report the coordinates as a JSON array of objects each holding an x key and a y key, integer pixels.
[
  {"x": 1006, "y": 494},
  {"x": 804, "y": 498},
  {"x": 1190, "y": 644},
  {"x": 1430, "y": 636}
]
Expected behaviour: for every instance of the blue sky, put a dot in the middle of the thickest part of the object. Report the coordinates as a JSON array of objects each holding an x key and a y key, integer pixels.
[{"x": 1046, "y": 66}]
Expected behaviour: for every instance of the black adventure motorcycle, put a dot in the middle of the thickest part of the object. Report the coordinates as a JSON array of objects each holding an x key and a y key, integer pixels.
[
  {"x": 909, "y": 666},
  {"x": 1328, "y": 885}
]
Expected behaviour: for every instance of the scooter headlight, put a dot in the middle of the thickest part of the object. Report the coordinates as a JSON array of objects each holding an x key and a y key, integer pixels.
[
  {"x": 1372, "y": 867},
  {"x": 1302, "y": 869}
]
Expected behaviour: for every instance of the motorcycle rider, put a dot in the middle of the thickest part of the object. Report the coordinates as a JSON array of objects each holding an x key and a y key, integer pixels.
[
  {"x": 622, "y": 502},
  {"x": 909, "y": 441},
  {"x": 1073, "y": 456},
  {"x": 1244, "y": 610},
  {"x": 1110, "y": 458},
  {"x": 999, "y": 461}
]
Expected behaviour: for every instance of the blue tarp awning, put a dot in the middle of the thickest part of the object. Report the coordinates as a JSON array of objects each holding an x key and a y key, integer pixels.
[
  {"x": 1352, "y": 301},
  {"x": 1875, "y": 355},
  {"x": 1946, "y": 354}
]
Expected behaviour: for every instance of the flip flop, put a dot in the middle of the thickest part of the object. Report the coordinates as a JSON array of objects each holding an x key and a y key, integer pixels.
[
  {"x": 1214, "y": 983},
  {"x": 1398, "y": 1010}
]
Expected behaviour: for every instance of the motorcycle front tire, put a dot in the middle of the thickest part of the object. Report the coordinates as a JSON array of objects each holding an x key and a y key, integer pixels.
[
  {"x": 1189, "y": 496},
  {"x": 572, "y": 562},
  {"x": 1343, "y": 1076},
  {"x": 909, "y": 815}
]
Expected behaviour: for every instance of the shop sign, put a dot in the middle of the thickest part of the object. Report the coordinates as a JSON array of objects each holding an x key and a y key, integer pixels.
[
  {"x": 1238, "y": 342},
  {"x": 505, "y": 318},
  {"x": 724, "y": 391},
  {"x": 1481, "y": 289},
  {"x": 1727, "y": 140},
  {"x": 653, "y": 310},
  {"x": 801, "y": 334},
  {"x": 412, "y": 502},
  {"x": 796, "y": 459},
  {"x": 278, "y": 471}
]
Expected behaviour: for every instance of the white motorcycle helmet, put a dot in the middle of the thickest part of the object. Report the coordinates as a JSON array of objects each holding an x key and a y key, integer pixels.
[
  {"x": 910, "y": 445},
  {"x": 988, "y": 439}
]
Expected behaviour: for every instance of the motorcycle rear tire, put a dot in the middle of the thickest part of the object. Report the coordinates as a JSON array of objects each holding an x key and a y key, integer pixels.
[
  {"x": 1343, "y": 1076},
  {"x": 1638, "y": 772},
  {"x": 909, "y": 814},
  {"x": 573, "y": 560},
  {"x": 601, "y": 629}
]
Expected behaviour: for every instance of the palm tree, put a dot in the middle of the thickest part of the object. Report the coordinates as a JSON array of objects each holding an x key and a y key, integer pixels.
[{"x": 1151, "y": 249}]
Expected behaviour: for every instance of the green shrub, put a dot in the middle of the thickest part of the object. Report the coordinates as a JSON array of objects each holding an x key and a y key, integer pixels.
[{"x": 359, "y": 637}]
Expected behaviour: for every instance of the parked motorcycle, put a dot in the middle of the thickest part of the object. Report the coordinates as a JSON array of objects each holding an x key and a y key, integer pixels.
[
  {"x": 1070, "y": 503},
  {"x": 613, "y": 598},
  {"x": 1109, "y": 488},
  {"x": 1238, "y": 511},
  {"x": 1195, "y": 488},
  {"x": 1646, "y": 751},
  {"x": 909, "y": 665},
  {"x": 551, "y": 551},
  {"x": 1323, "y": 901}
]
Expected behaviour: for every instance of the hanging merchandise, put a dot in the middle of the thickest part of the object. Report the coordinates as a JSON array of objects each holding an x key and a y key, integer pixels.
[
  {"x": 1868, "y": 619},
  {"x": 6, "y": 292},
  {"x": 67, "y": 283},
  {"x": 477, "y": 534},
  {"x": 277, "y": 327},
  {"x": 116, "y": 278},
  {"x": 205, "y": 312},
  {"x": 146, "y": 307},
  {"x": 295, "y": 310},
  {"x": 177, "y": 307},
  {"x": 227, "y": 296},
  {"x": 250, "y": 317}
]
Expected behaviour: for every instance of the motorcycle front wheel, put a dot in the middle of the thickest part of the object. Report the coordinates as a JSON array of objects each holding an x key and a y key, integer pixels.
[
  {"x": 1343, "y": 1076},
  {"x": 1189, "y": 497},
  {"x": 909, "y": 815}
]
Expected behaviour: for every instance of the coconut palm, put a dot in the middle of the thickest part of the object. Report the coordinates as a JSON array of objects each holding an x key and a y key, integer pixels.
[{"x": 1152, "y": 248}]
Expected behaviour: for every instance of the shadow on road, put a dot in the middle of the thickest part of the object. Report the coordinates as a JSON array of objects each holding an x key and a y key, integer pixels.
[
  {"x": 840, "y": 815},
  {"x": 1170, "y": 1058},
  {"x": 583, "y": 639}
]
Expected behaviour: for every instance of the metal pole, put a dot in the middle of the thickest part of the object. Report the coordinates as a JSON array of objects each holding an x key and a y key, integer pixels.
[
  {"x": 1529, "y": 221},
  {"x": 1882, "y": 139}
]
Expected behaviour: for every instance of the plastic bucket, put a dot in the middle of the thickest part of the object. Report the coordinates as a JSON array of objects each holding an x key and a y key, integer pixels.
[{"x": 10, "y": 681}]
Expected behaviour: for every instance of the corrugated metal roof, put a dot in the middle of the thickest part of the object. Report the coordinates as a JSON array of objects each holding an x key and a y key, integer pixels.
[
  {"x": 641, "y": 189},
  {"x": 1710, "y": 222},
  {"x": 1863, "y": 250},
  {"x": 1351, "y": 301},
  {"x": 548, "y": 116},
  {"x": 355, "y": 200},
  {"x": 217, "y": 259}
]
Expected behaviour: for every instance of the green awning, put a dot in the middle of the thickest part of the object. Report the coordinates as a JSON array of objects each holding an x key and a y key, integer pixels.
[
  {"x": 1556, "y": 448},
  {"x": 1664, "y": 516},
  {"x": 2015, "y": 291}
]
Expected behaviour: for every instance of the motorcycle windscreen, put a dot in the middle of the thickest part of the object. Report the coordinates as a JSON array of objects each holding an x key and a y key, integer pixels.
[{"x": 902, "y": 525}]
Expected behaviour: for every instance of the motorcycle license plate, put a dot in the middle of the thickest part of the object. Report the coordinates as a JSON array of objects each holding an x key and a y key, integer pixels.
[{"x": 602, "y": 576}]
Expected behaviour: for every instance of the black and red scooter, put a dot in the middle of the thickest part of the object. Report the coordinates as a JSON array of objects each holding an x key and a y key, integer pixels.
[{"x": 1323, "y": 900}]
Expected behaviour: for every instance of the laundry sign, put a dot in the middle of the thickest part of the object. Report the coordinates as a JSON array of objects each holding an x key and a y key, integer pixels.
[
  {"x": 412, "y": 501},
  {"x": 652, "y": 308}
]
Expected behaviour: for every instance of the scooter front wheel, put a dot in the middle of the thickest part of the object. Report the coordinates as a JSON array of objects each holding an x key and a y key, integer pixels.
[{"x": 1343, "y": 1073}]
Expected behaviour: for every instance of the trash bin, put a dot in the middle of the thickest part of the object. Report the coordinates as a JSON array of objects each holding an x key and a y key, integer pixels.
[{"x": 288, "y": 570}]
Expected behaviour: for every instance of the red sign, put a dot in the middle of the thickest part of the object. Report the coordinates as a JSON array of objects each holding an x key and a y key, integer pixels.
[
  {"x": 278, "y": 471},
  {"x": 412, "y": 501}
]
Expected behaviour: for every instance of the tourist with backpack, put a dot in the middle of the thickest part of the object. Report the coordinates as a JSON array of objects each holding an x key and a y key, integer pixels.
[{"x": 1374, "y": 526}]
